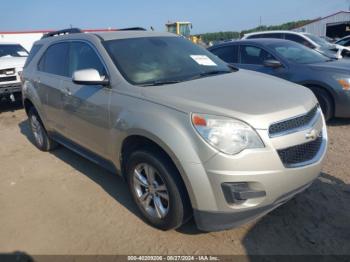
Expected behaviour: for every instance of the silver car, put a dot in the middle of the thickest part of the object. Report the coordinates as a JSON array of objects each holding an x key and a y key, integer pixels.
[{"x": 190, "y": 134}]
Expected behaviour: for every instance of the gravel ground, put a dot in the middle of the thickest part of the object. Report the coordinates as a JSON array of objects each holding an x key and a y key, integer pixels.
[{"x": 60, "y": 203}]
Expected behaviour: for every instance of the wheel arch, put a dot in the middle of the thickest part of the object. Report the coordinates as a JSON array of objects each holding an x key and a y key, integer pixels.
[
  {"x": 330, "y": 91},
  {"x": 27, "y": 104},
  {"x": 137, "y": 140}
]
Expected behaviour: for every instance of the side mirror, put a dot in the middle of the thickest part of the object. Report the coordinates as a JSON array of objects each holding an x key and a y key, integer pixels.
[
  {"x": 272, "y": 63},
  {"x": 89, "y": 77}
]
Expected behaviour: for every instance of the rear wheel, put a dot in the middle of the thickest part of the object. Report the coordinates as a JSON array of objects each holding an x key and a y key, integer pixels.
[
  {"x": 41, "y": 138},
  {"x": 325, "y": 101},
  {"x": 157, "y": 190}
]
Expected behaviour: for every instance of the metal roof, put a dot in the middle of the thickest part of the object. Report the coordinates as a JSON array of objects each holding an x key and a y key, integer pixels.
[{"x": 323, "y": 18}]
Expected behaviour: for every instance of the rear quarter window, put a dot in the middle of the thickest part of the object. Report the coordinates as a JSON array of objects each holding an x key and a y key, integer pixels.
[
  {"x": 268, "y": 35},
  {"x": 35, "y": 49}
]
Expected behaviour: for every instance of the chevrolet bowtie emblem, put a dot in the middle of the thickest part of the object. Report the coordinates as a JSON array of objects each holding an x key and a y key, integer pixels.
[{"x": 313, "y": 134}]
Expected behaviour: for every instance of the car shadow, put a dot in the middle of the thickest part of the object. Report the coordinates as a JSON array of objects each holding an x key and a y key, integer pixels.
[
  {"x": 8, "y": 106},
  {"x": 17, "y": 256},
  {"x": 339, "y": 122},
  {"x": 314, "y": 222},
  {"x": 112, "y": 183}
]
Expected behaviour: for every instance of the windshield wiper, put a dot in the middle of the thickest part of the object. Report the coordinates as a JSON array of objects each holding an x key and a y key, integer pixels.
[
  {"x": 215, "y": 72},
  {"x": 210, "y": 73},
  {"x": 161, "y": 82},
  {"x": 204, "y": 74}
]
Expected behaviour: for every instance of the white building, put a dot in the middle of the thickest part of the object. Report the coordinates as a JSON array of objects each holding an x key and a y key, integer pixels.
[
  {"x": 27, "y": 38},
  {"x": 334, "y": 26}
]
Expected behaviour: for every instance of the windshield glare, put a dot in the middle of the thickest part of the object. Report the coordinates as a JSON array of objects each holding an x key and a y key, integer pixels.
[
  {"x": 148, "y": 60},
  {"x": 298, "y": 53},
  {"x": 12, "y": 50}
]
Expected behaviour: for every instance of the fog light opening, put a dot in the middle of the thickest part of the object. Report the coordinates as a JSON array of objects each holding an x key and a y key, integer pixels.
[{"x": 237, "y": 193}]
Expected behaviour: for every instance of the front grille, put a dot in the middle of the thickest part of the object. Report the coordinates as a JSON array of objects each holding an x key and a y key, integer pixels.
[
  {"x": 8, "y": 78},
  {"x": 7, "y": 71},
  {"x": 292, "y": 124},
  {"x": 297, "y": 155}
]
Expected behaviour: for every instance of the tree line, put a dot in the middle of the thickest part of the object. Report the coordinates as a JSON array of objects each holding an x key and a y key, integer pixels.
[{"x": 221, "y": 36}]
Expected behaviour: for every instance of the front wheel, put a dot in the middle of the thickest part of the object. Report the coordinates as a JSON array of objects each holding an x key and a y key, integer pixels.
[
  {"x": 325, "y": 101},
  {"x": 157, "y": 190}
]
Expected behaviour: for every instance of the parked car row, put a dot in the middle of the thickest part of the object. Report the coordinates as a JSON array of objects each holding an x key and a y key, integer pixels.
[
  {"x": 191, "y": 134},
  {"x": 328, "y": 79},
  {"x": 309, "y": 40}
]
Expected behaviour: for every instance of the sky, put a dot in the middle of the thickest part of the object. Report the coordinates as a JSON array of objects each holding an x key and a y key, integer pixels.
[{"x": 205, "y": 15}]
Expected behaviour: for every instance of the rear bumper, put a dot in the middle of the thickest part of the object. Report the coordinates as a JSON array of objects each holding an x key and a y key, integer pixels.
[{"x": 216, "y": 221}]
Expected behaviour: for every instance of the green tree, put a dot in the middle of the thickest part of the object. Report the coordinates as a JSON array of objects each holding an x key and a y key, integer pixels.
[{"x": 222, "y": 36}]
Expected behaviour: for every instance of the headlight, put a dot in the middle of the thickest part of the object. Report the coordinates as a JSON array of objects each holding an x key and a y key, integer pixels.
[
  {"x": 227, "y": 135},
  {"x": 345, "y": 83}
]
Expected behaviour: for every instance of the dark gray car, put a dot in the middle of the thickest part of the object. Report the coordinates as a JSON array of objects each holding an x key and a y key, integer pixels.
[{"x": 328, "y": 79}]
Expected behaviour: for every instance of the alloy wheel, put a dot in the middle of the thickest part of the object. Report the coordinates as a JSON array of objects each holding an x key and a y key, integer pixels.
[{"x": 151, "y": 191}]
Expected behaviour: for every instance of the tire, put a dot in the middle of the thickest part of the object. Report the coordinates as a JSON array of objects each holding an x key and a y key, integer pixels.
[
  {"x": 325, "y": 101},
  {"x": 156, "y": 209},
  {"x": 41, "y": 139}
]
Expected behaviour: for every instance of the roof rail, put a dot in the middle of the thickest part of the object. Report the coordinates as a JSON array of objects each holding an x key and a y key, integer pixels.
[
  {"x": 63, "y": 32},
  {"x": 132, "y": 29}
]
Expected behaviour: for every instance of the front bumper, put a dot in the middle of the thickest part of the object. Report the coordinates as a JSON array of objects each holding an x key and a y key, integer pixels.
[
  {"x": 10, "y": 88},
  {"x": 263, "y": 171},
  {"x": 216, "y": 221}
]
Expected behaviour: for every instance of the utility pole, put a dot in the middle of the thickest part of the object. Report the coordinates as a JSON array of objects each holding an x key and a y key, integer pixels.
[{"x": 260, "y": 22}]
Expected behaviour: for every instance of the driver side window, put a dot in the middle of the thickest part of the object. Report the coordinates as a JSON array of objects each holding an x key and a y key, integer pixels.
[
  {"x": 82, "y": 56},
  {"x": 254, "y": 55}
]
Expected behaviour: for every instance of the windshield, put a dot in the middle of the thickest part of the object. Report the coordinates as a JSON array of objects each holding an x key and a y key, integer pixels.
[
  {"x": 319, "y": 40},
  {"x": 185, "y": 30},
  {"x": 156, "y": 60},
  {"x": 297, "y": 53},
  {"x": 12, "y": 50}
]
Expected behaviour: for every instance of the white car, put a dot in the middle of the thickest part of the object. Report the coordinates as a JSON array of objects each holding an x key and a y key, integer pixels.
[
  {"x": 306, "y": 39},
  {"x": 12, "y": 59}
]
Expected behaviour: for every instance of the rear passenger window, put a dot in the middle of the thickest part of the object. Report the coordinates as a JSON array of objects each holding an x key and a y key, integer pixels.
[
  {"x": 268, "y": 35},
  {"x": 298, "y": 39},
  {"x": 55, "y": 61},
  {"x": 254, "y": 55},
  {"x": 82, "y": 56},
  {"x": 227, "y": 53}
]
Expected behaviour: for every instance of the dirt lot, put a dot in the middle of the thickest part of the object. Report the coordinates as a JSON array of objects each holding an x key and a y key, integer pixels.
[{"x": 60, "y": 203}]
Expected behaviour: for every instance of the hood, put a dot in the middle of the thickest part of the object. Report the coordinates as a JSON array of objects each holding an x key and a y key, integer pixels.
[
  {"x": 255, "y": 98},
  {"x": 334, "y": 51},
  {"x": 336, "y": 66},
  {"x": 331, "y": 53},
  {"x": 12, "y": 62}
]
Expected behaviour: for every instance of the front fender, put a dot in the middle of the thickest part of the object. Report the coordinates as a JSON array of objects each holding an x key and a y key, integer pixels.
[{"x": 173, "y": 132}]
